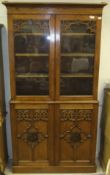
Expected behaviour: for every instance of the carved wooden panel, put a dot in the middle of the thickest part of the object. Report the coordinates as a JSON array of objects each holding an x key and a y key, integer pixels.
[
  {"x": 75, "y": 136},
  {"x": 32, "y": 133},
  {"x": 32, "y": 136},
  {"x": 76, "y": 114},
  {"x": 75, "y": 133},
  {"x": 32, "y": 115}
]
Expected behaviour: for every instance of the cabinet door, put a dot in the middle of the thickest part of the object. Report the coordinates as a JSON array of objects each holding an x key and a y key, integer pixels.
[
  {"x": 76, "y": 57},
  {"x": 32, "y": 139},
  {"x": 75, "y": 134},
  {"x": 31, "y": 55}
]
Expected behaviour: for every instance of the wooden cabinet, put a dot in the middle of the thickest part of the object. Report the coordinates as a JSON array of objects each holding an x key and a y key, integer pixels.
[
  {"x": 54, "y": 61},
  {"x": 2, "y": 113}
]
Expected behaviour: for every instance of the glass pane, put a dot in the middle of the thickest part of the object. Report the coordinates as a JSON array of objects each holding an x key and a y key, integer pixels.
[
  {"x": 32, "y": 86},
  {"x": 31, "y": 44},
  {"x": 77, "y": 57},
  {"x": 78, "y": 44},
  {"x": 77, "y": 64},
  {"x": 31, "y": 38},
  {"x": 76, "y": 86},
  {"x": 31, "y": 65}
]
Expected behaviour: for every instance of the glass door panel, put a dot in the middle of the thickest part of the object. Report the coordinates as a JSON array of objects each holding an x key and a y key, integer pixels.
[
  {"x": 32, "y": 51},
  {"x": 77, "y": 47}
]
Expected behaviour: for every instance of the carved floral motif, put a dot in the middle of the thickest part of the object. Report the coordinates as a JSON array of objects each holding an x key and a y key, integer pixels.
[
  {"x": 32, "y": 135},
  {"x": 75, "y": 136},
  {"x": 76, "y": 114}
]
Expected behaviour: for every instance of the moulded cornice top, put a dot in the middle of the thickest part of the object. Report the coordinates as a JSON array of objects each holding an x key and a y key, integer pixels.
[{"x": 57, "y": 2}]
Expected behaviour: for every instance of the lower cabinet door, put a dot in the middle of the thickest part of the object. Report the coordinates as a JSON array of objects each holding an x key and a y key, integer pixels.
[
  {"x": 32, "y": 131},
  {"x": 76, "y": 135}
]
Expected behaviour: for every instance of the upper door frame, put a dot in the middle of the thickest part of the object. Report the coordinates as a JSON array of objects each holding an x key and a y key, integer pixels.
[
  {"x": 96, "y": 57},
  {"x": 12, "y": 57}
]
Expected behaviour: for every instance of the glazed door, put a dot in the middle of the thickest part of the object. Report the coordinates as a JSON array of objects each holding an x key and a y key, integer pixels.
[
  {"x": 32, "y": 56},
  {"x": 76, "y": 58}
]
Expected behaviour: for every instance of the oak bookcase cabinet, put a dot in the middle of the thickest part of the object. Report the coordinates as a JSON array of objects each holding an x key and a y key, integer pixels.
[{"x": 54, "y": 61}]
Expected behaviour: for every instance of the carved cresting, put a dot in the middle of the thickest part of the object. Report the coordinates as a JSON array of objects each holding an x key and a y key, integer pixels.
[
  {"x": 32, "y": 135},
  {"x": 31, "y": 25},
  {"x": 75, "y": 136},
  {"x": 70, "y": 26}
]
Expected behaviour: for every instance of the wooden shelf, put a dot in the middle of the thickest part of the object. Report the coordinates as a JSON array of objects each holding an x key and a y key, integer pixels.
[
  {"x": 29, "y": 33},
  {"x": 31, "y": 75},
  {"x": 47, "y": 34},
  {"x": 78, "y": 54},
  {"x": 31, "y": 54},
  {"x": 77, "y": 75},
  {"x": 63, "y": 54},
  {"x": 77, "y": 34}
]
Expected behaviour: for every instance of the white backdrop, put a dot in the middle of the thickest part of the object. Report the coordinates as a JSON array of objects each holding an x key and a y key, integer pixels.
[{"x": 104, "y": 73}]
